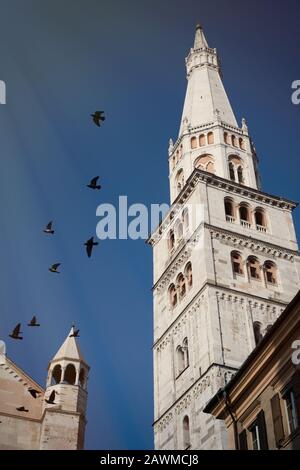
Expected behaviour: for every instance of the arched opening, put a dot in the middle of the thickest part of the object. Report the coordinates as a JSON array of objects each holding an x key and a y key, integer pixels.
[
  {"x": 181, "y": 285},
  {"x": 210, "y": 167},
  {"x": 206, "y": 163},
  {"x": 229, "y": 210},
  {"x": 240, "y": 175},
  {"x": 193, "y": 142},
  {"x": 173, "y": 295},
  {"x": 237, "y": 263},
  {"x": 185, "y": 347},
  {"x": 173, "y": 162},
  {"x": 180, "y": 180},
  {"x": 56, "y": 375},
  {"x": 244, "y": 212},
  {"x": 186, "y": 433},
  {"x": 241, "y": 143},
  {"x": 210, "y": 138},
  {"x": 171, "y": 240},
  {"x": 260, "y": 220},
  {"x": 234, "y": 141},
  {"x": 82, "y": 378},
  {"x": 202, "y": 140},
  {"x": 180, "y": 360},
  {"x": 189, "y": 274},
  {"x": 70, "y": 374},
  {"x": 231, "y": 171},
  {"x": 257, "y": 332},
  {"x": 185, "y": 218},
  {"x": 179, "y": 230},
  {"x": 254, "y": 268},
  {"x": 270, "y": 272}
]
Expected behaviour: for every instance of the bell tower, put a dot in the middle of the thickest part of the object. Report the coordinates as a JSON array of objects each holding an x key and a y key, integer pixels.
[
  {"x": 220, "y": 278},
  {"x": 64, "y": 417}
]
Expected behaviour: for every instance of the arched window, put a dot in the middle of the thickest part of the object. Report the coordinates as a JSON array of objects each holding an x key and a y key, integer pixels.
[
  {"x": 180, "y": 360},
  {"x": 231, "y": 171},
  {"x": 202, "y": 140},
  {"x": 179, "y": 230},
  {"x": 270, "y": 272},
  {"x": 254, "y": 268},
  {"x": 186, "y": 433},
  {"x": 257, "y": 332},
  {"x": 82, "y": 378},
  {"x": 260, "y": 219},
  {"x": 185, "y": 347},
  {"x": 229, "y": 210},
  {"x": 237, "y": 263},
  {"x": 173, "y": 295},
  {"x": 181, "y": 285},
  {"x": 173, "y": 162},
  {"x": 206, "y": 163},
  {"x": 194, "y": 142},
  {"x": 171, "y": 240},
  {"x": 70, "y": 374},
  {"x": 244, "y": 212},
  {"x": 210, "y": 138},
  {"x": 56, "y": 375},
  {"x": 234, "y": 141},
  {"x": 189, "y": 274},
  {"x": 226, "y": 137},
  {"x": 210, "y": 167},
  {"x": 185, "y": 218},
  {"x": 241, "y": 143},
  {"x": 240, "y": 175},
  {"x": 180, "y": 180}
]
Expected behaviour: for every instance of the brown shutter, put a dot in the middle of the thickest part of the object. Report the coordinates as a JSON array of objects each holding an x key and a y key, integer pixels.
[
  {"x": 263, "y": 438},
  {"x": 277, "y": 420},
  {"x": 296, "y": 391},
  {"x": 243, "y": 440}
]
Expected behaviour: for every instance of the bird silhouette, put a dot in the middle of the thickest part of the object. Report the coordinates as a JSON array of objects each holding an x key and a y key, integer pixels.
[
  {"x": 16, "y": 332},
  {"x": 89, "y": 246},
  {"x": 51, "y": 398},
  {"x": 33, "y": 322},
  {"x": 48, "y": 229},
  {"x": 54, "y": 267},
  {"x": 97, "y": 117},
  {"x": 75, "y": 334},
  {"x": 22, "y": 408},
  {"x": 93, "y": 183},
  {"x": 34, "y": 393}
]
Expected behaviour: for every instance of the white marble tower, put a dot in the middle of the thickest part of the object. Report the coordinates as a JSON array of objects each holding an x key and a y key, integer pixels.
[{"x": 226, "y": 260}]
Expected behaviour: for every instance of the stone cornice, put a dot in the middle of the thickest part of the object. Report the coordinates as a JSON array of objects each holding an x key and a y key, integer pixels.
[{"x": 221, "y": 183}]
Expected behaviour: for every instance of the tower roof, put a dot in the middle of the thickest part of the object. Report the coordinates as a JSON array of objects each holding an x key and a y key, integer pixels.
[
  {"x": 69, "y": 349},
  {"x": 200, "y": 40}
]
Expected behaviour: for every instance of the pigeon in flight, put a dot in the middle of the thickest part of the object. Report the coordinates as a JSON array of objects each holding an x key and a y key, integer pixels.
[
  {"x": 33, "y": 322},
  {"x": 54, "y": 267},
  {"x": 89, "y": 246},
  {"x": 22, "y": 408},
  {"x": 49, "y": 229},
  {"x": 75, "y": 334},
  {"x": 93, "y": 183},
  {"x": 16, "y": 332},
  {"x": 97, "y": 117},
  {"x": 33, "y": 392},
  {"x": 51, "y": 398}
]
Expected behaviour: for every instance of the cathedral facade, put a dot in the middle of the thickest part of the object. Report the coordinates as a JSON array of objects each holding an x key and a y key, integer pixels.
[
  {"x": 221, "y": 283},
  {"x": 33, "y": 418}
]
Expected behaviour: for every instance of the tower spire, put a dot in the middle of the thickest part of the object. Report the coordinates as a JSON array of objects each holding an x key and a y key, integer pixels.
[{"x": 200, "y": 40}]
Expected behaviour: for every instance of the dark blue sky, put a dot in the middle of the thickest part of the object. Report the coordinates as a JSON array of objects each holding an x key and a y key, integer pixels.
[{"x": 63, "y": 59}]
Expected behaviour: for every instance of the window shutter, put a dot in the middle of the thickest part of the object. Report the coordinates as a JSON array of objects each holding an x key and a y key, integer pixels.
[
  {"x": 277, "y": 420},
  {"x": 296, "y": 391},
  {"x": 263, "y": 439},
  {"x": 243, "y": 440}
]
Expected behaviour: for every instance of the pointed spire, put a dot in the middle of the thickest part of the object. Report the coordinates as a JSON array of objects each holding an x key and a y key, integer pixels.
[
  {"x": 69, "y": 349},
  {"x": 200, "y": 40}
]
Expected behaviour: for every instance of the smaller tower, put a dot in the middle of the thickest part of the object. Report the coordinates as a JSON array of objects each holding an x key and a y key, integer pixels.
[{"x": 63, "y": 423}]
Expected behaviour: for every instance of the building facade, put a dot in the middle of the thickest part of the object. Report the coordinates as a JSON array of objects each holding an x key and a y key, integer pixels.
[
  {"x": 29, "y": 419},
  {"x": 226, "y": 260},
  {"x": 261, "y": 404}
]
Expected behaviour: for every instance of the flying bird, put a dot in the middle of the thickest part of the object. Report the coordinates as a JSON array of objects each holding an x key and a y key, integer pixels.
[
  {"x": 93, "y": 183},
  {"x": 33, "y": 322},
  {"x": 75, "y": 334},
  {"x": 54, "y": 267},
  {"x": 89, "y": 246},
  {"x": 22, "y": 408},
  {"x": 49, "y": 229},
  {"x": 51, "y": 398},
  {"x": 97, "y": 117},
  {"x": 33, "y": 392},
  {"x": 16, "y": 332}
]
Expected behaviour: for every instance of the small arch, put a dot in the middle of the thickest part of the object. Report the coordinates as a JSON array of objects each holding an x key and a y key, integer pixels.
[
  {"x": 260, "y": 219},
  {"x": 173, "y": 162},
  {"x": 226, "y": 138},
  {"x": 82, "y": 378},
  {"x": 229, "y": 209},
  {"x": 237, "y": 263},
  {"x": 270, "y": 270},
  {"x": 70, "y": 374},
  {"x": 202, "y": 141},
  {"x": 193, "y": 142},
  {"x": 234, "y": 141},
  {"x": 206, "y": 163},
  {"x": 241, "y": 144},
  {"x": 231, "y": 171},
  {"x": 254, "y": 268},
  {"x": 188, "y": 271},
  {"x": 178, "y": 230},
  {"x": 240, "y": 175},
  {"x": 257, "y": 332},
  {"x": 171, "y": 239},
  {"x": 180, "y": 360},
  {"x": 179, "y": 180},
  {"x": 181, "y": 285},
  {"x": 173, "y": 295},
  {"x": 56, "y": 375},
  {"x": 244, "y": 212},
  {"x": 210, "y": 138},
  {"x": 185, "y": 347},
  {"x": 186, "y": 433},
  {"x": 185, "y": 218}
]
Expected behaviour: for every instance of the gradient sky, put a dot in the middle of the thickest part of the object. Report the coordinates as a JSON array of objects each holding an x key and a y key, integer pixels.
[{"x": 60, "y": 61}]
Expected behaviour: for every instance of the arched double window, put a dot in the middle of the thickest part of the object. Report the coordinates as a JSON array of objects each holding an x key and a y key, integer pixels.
[
  {"x": 206, "y": 163},
  {"x": 237, "y": 263}
]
